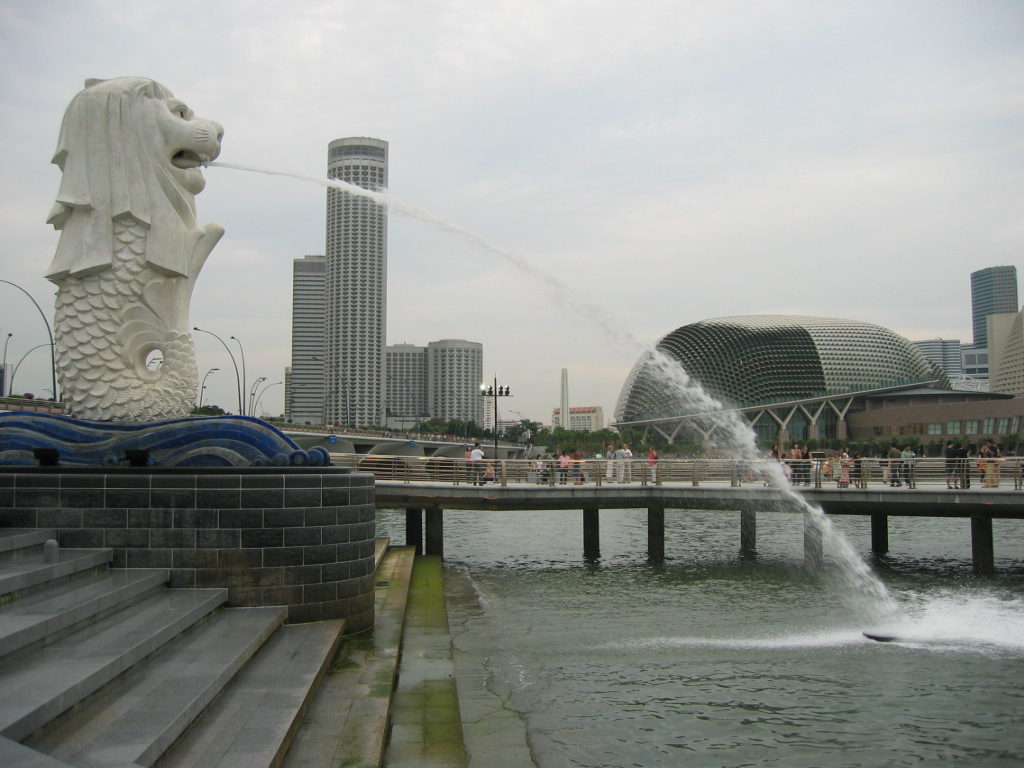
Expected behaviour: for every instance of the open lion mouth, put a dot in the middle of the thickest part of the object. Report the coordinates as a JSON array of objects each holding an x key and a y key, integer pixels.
[{"x": 185, "y": 158}]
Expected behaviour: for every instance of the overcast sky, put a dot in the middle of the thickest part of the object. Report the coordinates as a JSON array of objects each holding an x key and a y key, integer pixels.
[{"x": 645, "y": 164}]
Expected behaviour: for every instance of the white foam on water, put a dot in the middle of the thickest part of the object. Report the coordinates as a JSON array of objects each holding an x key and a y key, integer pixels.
[
  {"x": 960, "y": 620},
  {"x": 793, "y": 641}
]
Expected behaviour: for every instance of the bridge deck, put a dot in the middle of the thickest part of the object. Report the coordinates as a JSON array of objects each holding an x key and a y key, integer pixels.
[{"x": 922, "y": 501}]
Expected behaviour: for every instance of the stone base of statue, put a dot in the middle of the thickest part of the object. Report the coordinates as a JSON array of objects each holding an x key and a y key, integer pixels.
[{"x": 280, "y": 527}]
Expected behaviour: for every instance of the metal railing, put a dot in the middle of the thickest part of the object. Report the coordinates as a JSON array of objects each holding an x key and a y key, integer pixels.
[{"x": 970, "y": 473}]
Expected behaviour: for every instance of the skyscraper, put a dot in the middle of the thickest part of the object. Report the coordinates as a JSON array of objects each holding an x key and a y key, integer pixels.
[
  {"x": 406, "y": 384},
  {"x": 355, "y": 285},
  {"x": 440, "y": 380},
  {"x": 304, "y": 395},
  {"x": 945, "y": 353},
  {"x": 993, "y": 291},
  {"x": 455, "y": 369}
]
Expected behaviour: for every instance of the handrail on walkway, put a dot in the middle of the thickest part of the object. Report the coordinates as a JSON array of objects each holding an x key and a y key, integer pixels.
[{"x": 816, "y": 473}]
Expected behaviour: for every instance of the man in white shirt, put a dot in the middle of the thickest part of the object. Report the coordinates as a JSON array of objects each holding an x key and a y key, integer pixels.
[{"x": 476, "y": 458}]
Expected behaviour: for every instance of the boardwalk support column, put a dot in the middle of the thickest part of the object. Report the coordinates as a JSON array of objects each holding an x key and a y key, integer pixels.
[
  {"x": 656, "y": 534},
  {"x": 591, "y": 535},
  {"x": 879, "y": 533},
  {"x": 435, "y": 531},
  {"x": 813, "y": 556},
  {"x": 982, "y": 551},
  {"x": 748, "y": 534},
  {"x": 414, "y": 529}
]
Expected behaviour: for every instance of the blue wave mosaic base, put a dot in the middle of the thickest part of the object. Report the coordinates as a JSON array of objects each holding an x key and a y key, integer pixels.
[{"x": 216, "y": 441}]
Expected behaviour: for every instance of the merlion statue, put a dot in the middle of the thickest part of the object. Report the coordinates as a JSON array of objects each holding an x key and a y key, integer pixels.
[{"x": 130, "y": 249}]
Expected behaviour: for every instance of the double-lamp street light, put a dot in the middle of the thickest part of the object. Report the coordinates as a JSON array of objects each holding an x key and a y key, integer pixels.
[{"x": 495, "y": 391}]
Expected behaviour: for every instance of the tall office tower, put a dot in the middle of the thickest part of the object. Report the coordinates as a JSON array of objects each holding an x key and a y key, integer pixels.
[
  {"x": 993, "y": 291},
  {"x": 304, "y": 395},
  {"x": 945, "y": 353},
  {"x": 455, "y": 370},
  {"x": 355, "y": 285},
  {"x": 406, "y": 384}
]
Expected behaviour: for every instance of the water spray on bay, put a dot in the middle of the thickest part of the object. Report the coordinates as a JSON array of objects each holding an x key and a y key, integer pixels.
[{"x": 859, "y": 586}]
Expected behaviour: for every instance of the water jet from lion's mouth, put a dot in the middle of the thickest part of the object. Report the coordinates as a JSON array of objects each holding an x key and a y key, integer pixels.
[{"x": 856, "y": 577}]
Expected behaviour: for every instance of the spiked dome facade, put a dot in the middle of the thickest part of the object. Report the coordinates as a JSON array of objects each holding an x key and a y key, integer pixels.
[{"x": 752, "y": 360}]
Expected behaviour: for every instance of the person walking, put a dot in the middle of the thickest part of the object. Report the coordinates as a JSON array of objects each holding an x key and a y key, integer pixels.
[
  {"x": 563, "y": 467},
  {"x": 895, "y": 457},
  {"x": 652, "y": 465},
  {"x": 952, "y": 476},
  {"x": 907, "y": 454},
  {"x": 476, "y": 459}
]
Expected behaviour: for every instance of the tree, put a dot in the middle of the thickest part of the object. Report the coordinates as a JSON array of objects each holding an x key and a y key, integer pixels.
[{"x": 209, "y": 410}]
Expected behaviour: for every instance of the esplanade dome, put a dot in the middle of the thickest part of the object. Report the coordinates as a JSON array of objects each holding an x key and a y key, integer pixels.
[{"x": 750, "y": 360}]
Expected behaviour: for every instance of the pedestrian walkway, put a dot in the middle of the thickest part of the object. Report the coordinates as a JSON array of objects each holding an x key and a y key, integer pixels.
[{"x": 426, "y": 729}]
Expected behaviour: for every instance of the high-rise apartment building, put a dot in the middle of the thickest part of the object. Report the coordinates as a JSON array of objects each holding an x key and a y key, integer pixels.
[
  {"x": 455, "y": 369},
  {"x": 355, "y": 285},
  {"x": 945, "y": 353},
  {"x": 304, "y": 393},
  {"x": 406, "y": 384},
  {"x": 993, "y": 291},
  {"x": 440, "y": 380}
]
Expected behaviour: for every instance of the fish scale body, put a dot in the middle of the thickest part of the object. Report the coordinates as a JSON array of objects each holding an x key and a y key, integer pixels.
[{"x": 106, "y": 329}]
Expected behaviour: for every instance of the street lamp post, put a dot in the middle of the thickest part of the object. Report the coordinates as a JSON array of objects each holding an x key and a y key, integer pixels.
[
  {"x": 15, "y": 373},
  {"x": 262, "y": 392},
  {"x": 238, "y": 379},
  {"x": 495, "y": 391},
  {"x": 49, "y": 331},
  {"x": 6, "y": 389},
  {"x": 245, "y": 405},
  {"x": 203, "y": 387},
  {"x": 252, "y": 394}
]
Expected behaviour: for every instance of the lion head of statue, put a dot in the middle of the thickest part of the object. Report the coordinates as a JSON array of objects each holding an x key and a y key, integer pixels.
[{"x": 128, "y": 147}]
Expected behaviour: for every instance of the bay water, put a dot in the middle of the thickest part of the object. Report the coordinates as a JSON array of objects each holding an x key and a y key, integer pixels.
[{"x": 714, "y": 660}]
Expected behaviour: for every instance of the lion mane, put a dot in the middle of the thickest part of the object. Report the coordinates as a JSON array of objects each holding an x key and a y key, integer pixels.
[{"x": 116, "y": 160}]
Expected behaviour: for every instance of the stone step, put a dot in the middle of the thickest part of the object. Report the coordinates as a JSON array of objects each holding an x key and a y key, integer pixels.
[
  {"x": 253, "y": 722},
  {"x": 15, "y": 755},
  {"x": 39, "y": 687},
  {"x": 23, "y": 570},
  {"x": 19, "y": 538},
  {"x": 349, "y": 717},
  {"x": 136, "y": 718},
  {"x": 49, "y": 614}
]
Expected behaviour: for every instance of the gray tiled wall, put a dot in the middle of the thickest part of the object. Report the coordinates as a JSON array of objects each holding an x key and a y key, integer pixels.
[{"x": 301, "y": 538}]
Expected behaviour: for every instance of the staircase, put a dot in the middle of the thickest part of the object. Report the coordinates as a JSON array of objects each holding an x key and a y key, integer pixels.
[{"x": 102, "y": 667}]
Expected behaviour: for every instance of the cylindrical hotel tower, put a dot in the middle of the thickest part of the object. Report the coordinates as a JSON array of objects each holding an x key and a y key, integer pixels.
[{"x": 355, "y": 285}]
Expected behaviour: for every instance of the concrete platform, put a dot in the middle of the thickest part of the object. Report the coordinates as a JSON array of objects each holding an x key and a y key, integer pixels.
[{"x": 347, "y": 723}]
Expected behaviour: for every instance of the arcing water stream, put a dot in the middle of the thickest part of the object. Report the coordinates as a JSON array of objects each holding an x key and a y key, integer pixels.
[{"x": 860, "y": 588}]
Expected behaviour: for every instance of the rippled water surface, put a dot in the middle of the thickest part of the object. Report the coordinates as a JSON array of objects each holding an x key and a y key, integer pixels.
[{"x": 709, "y": 660}]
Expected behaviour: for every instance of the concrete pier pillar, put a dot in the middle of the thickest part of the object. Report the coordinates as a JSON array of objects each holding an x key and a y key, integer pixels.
[
  {"x": 982, "y": 551},
  {"x": 879, "y": 533},
  {"x": 656, "y": 534},
  {"x": 435, "y": 531},
  {"x": 813, "y": 554},
  {"x": 591, "y": 535},
  {"x": 748, "y": 534},
  {"x": 414, "y": 529}
]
